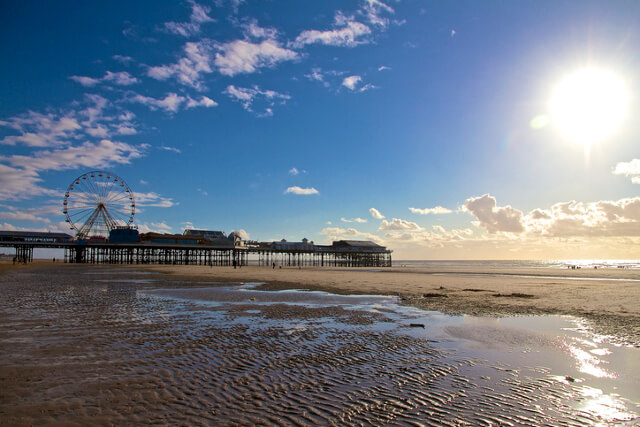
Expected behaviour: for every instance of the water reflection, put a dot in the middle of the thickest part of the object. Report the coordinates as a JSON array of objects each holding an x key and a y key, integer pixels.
[
  {"x": 608, "y": 407},
  {"x": 601, "y": 378}
]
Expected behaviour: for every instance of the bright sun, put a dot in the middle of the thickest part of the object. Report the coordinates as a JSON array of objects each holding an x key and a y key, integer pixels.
[{"x": 589, "y": 105}]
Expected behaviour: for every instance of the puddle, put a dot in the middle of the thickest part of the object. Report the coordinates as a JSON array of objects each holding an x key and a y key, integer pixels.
[{"x": 604, "y": 377}]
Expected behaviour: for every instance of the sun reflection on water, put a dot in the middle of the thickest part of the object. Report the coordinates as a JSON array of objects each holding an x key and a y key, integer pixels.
[{"x": 609, "y": 407}]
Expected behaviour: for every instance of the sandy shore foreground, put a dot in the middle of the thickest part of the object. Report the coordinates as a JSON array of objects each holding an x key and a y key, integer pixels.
[
  {"x": 607, "y": 297},
  {"x": 115, "y": 345}
]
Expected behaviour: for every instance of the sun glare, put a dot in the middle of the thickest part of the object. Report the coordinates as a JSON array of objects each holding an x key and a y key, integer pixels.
[{"x": 589, "y": 105}]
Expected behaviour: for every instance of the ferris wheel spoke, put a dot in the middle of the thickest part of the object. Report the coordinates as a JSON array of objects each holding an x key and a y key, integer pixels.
[
  {"x": 106, "y": 188},
  {"x": 110, "y": 189},
  {"x": 80, "y": 205},
  {"x": 80, "y": 214},
  {"x": 118, "y": 196},
  {"x": 90, "y": 194},
  {"x": 95, "y": 186},
  {"x": 77, "y": 211},
  {"x": 118, "y": 206}
]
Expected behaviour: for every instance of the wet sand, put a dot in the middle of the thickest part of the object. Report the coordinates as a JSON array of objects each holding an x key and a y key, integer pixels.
[
  {"x": 607, "y": 297},
  {"x": 111, "y": 345}
]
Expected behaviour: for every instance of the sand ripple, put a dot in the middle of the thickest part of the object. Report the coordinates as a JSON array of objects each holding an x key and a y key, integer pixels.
[{"x": 75, "y": 350}]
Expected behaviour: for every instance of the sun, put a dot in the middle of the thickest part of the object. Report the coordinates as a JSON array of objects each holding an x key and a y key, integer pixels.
[{"x": 589, "y": 105}]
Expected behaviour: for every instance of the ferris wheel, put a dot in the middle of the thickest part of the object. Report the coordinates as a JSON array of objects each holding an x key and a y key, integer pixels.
[{"x": 97, "y": 202}]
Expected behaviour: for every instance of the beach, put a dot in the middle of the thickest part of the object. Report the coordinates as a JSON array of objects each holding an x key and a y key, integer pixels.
[
  {"x": 607, "y": 297},
  {"x": 115, "y": 345}
]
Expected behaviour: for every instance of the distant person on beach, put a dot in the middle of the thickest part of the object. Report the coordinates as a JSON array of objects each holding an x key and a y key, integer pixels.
[
  {"x": 234, "y": 263},
  {"x": 274, "y": 265}
]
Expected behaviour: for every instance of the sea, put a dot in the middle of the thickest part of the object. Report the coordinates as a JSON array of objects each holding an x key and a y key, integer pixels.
[{"x": 552, "y": 263}]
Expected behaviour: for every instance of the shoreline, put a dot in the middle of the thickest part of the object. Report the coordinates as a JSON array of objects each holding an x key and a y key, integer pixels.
[{"x": 606, "y": 298}]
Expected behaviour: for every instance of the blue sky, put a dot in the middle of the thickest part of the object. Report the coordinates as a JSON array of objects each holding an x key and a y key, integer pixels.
[{"x": 292, "y": 119}]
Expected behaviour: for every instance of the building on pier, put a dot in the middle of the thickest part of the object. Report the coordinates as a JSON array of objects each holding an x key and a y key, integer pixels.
[
  {"x": 215, "y": 237},
  {"x": 34, "y": 236},
  {"x": 283, "y": 245},
  {"x": 358, "y": 245}
]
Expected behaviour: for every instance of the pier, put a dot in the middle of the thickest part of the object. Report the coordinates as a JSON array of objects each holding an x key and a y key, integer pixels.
[{"x": 343, "y": 253}]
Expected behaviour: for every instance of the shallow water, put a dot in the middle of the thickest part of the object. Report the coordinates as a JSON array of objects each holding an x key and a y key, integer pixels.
[{"x": 83, "y": 349}]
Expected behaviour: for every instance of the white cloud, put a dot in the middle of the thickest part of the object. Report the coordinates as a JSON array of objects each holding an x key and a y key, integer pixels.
[
  {"x": 294, "y": 171},
  {"x": 376, "y": 214},
  {"x": 337, "y": 233},
  {"x": 40, "y": 130},
  {"x": 252, "y": 29},
  {"x": 631, "y": 169},
  {"x": 88, "y": 154},
  {"x": 190, "y": 68},
  {"x": 437, "y": 238},
  {"x": 399, "y": 224},
  {"x": 87, "y": 118},
  {"x": 326, "y": 77},
  {"x": 316, "y": 74},
  {"x": 346, "y": 33},
  {"x": 577, "y": 219},
  {"x": 493, "y": 218},
  {"x": 199, "y": 16},
  {"x": 121, "y": 78},
  {"x": 167, "y": 148},
  {"x": 22, "y": 179},
  {"x": 247, "y": 97},
  {"x": 572, "y": 219},
  {"x": 153, "y": 200},
  {"x": 352, "y": 83},
  {"x": 301, "y": 191},
  {"x": 358, "y": 220},
  {"x": 202, "y": 102},
  {"x": 16, "y": 184},
  {"x": 171, "y": 103},
  {"x": 23, "y": 216},
  {"x": 125, "y": 130},
  {"x": 438, "y": 210},
  {"x": 242, "y": 56},
  {"x": 383, "y": 67},
  {"x": 373, "y": 10},
  {"x": 126, "y": 60},
  {"x": 85, "y": 81},
  {"x": 154, "y": 227}
]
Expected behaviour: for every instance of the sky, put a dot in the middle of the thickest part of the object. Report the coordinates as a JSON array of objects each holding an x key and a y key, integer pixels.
[{"x": 425, "y": 126}]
